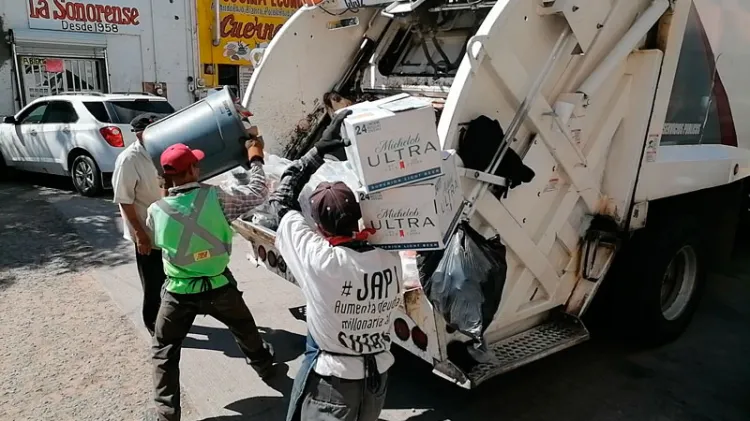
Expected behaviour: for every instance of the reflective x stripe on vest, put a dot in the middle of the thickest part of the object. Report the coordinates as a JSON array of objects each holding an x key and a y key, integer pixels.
[{"x": 190, "y": 227}]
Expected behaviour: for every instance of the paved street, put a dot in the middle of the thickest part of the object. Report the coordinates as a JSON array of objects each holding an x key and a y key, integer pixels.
[{"x": 703, "y": 376}]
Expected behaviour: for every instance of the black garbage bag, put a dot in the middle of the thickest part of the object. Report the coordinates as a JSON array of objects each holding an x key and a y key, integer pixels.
[{"x": 465, "y": 281}]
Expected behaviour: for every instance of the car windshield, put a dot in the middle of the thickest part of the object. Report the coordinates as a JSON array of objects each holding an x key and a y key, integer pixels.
[{"x": 125, "y": 111}]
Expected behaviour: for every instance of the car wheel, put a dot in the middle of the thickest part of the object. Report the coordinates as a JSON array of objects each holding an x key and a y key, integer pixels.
[{"x": 86, "y": 176}]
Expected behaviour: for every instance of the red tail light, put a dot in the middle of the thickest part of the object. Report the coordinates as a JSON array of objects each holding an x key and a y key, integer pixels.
[
  {"x": 419, "y": 338},
  {"x": 401, "y": 328},
  {"x": 272, "y": 259},
  {"x": 113, "y": 136},
  {"x": 262, "y": 253}
]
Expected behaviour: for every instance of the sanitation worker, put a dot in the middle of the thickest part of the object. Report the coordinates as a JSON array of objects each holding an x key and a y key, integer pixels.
[
  {"x": 135, "y": 182},
  {"x": 192, "y": 228},
  {"x": 351, "y": 289}
]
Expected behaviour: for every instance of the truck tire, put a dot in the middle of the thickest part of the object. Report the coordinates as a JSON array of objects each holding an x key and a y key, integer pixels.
[
  {"x": 657, "y": 283},
  {"x": 4, "y": 169},
  {"x": 86, "y": 177}
]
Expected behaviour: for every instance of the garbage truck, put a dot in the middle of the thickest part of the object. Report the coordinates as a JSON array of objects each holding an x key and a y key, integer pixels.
[{"x": 632, "y": 114}]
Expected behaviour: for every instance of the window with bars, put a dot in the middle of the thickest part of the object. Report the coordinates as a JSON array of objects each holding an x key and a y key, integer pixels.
[{"x": 51, "y": 76}]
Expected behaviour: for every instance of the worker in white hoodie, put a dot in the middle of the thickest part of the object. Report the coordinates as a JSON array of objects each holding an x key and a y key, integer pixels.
[{"x": 351, "y": 289}]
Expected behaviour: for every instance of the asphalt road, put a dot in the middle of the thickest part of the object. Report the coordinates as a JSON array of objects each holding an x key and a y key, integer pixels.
[{"x": 705, "y": 375}]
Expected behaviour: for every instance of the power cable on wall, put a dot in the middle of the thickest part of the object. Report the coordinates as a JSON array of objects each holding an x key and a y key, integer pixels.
[{"x": 153, "y": 41}]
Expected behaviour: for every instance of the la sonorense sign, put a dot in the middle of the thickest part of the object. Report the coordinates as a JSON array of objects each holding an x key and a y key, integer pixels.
[{"x": 101, "y": 16}]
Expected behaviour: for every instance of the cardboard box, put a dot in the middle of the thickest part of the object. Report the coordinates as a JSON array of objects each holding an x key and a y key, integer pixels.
[
  {"x": 420, "y": 216},
  {"x": 393, "y": 142}
]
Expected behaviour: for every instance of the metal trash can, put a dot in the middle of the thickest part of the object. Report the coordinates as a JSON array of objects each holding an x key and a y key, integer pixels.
[{"x": 212, "y": 125}]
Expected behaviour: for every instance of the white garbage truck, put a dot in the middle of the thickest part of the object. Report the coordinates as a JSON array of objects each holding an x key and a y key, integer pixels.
[{"x": 633, "y": 114}]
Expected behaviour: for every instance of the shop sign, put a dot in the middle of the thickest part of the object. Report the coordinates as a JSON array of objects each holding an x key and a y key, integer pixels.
[
  {"x": 245, "y": 28},
  {"x": 100, "y": 16},
  {"x": 54, "y": 65}
]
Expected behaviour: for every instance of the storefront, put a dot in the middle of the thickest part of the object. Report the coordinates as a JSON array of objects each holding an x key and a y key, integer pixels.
[
  {"x": 57, "y": 46},
  {"x": 232, "y": 38}
]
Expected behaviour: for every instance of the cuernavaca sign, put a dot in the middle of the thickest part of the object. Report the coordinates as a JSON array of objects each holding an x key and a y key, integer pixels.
[{"x": 99, "y": 16}]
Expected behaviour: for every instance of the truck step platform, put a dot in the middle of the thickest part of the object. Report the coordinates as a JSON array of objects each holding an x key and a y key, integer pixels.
[{"x": 528, "y": 346}]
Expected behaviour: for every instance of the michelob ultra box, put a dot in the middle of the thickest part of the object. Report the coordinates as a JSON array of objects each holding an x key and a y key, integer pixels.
[
  {"x": 420, "y": 216},
  {"x": 393, "y": 142}
]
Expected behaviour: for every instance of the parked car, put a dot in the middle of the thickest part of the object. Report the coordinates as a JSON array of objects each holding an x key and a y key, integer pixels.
[{"x": 75, "y": 134}]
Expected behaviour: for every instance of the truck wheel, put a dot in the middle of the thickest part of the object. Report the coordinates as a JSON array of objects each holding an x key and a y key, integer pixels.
[
  {"x": 661, "y": 282},
  {"x": 86, "y": 176},
  {"x": 4, "y": 170}
]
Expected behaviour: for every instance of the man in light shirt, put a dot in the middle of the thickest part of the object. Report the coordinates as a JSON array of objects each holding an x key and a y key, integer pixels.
[
  {"x": 135, "y": 182},
  {"x": 351, "y": 289}
]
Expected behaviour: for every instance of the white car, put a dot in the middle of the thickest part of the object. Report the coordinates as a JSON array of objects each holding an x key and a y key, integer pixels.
[{"x": 76, "y": 134}]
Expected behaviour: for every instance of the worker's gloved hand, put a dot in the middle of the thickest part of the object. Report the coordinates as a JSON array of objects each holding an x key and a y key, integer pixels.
[{"x": 331, "y": 139}]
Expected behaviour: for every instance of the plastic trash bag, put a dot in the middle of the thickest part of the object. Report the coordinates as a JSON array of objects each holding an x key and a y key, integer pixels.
[
  {"x": 465, "y": 281},
  {"x": 274, "y": 167},
  {"x": 330, "y": 171},
  {"x": 410, "y": 269}
]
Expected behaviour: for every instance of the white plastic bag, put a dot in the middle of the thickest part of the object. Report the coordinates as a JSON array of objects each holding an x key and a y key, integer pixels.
[{"x": 274, "y": 167}]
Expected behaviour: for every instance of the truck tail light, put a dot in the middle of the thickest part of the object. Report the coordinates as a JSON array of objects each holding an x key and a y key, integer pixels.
[
  {"x": 262, "y": 253},
  {"x": 272, "y": 259},
  {"x": 113, "y": 136},
  {"x": 282, "y": 265},
  {"x": 419, "y": 338},
  {"x": 401, "y": 328}
]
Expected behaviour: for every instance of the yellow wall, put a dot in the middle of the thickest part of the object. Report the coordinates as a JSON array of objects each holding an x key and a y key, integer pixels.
[{"x": 244, "y": 26}]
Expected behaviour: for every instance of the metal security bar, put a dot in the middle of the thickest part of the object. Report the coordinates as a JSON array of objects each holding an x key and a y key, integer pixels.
[{"x": 44, "y": 76}]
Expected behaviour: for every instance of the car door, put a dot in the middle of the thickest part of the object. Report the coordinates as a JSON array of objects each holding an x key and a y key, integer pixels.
[
  {"x": 27, "y": 130},
  {"x": 56, "y": 139}
]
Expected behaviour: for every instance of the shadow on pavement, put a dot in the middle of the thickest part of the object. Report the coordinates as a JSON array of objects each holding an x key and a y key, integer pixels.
[
  {"x": 702, "y": 376},
  {"x": 34, "y": 233},
  {"x": 263, "y": 407},
  {"x": 287, "y": 345}
]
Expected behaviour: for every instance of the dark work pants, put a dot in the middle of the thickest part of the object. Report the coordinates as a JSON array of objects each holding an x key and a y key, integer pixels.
[
  {"x": 151, "y": 272},
  {"x": 332, "y": 399},
  {"x": 176, "y": 316}
]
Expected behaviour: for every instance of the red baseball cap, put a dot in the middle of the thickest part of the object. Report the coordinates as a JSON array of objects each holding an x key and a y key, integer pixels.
[{"x": 179, "y": 157}]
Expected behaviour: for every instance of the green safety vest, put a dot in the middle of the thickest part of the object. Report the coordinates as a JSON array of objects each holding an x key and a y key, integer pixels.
[{"x": 195, "y": 239}]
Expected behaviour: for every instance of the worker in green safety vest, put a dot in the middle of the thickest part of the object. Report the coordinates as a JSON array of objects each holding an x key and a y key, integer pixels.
[{"x": 192, "y": 228}]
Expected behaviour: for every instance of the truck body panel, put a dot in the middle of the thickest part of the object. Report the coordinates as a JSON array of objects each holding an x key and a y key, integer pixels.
[{"x": 622, "y": 85}]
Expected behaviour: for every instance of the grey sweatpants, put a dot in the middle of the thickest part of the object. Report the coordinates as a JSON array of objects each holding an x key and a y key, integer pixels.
[{"x": 335, "y": 399}]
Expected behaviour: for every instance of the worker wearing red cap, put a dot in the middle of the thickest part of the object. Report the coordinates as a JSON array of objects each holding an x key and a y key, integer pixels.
[
  {"x": 351, "y": 289},
  {"x": 192, "y": 228}
]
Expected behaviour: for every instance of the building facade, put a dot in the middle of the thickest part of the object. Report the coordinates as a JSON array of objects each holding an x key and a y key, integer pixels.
[
  {"x": 232, "y": 35},
  {"x": 54, "y": 46}
]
